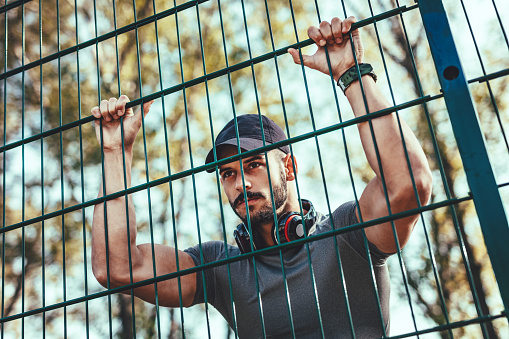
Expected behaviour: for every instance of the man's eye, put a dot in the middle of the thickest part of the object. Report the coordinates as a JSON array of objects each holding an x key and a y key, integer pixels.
[
  {"x": 254, "y": 165},
  {"x": 227, "y": 174}
]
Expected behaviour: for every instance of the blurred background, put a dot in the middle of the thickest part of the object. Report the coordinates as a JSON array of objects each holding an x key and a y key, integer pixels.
[{"x": 61, "y": 58}]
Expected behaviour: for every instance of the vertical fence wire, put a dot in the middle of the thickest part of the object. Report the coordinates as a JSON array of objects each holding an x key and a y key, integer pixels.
[
  {"x": 430, "y": 252},
  {"x": 23, "y": 207},
  {"x": 281, "y": 96},
  {"x": 490, "y": 91},
  {"x": 340, "y": 265},
  {"x": 216, "y": 172},
  {"x": 295, "y": 29},
  {"x": 481, "y": 63},
  {"x": 147, "y": 176},
  {"x": 465, "y": 256},
  {"x": 283, "y": 273},
  {"x": 230, "y": 88},
  {"x": 82, "y": 176},
  {"x": 195, "y": 198},
  {"x": 485, "y": 193},
  {"x": 131, "y": 279},
  {"x": 4, "y": 155},
  {"x": 500, "y": 23},
  {"x": 103, "y": 172},
  {"x": 152, "y": 240},
  {"x": 41, "y": 117},
  {"x": 382, "y": 180},
  {"x": 400, "y": 258},
  {"x": 62, "y": 184},
  {"x": 170, "y": 183},
  {"x": 189, "y": 116}
]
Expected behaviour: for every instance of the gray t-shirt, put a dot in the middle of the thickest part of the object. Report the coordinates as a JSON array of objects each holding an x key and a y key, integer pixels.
[{"x": 264, "y": 296}]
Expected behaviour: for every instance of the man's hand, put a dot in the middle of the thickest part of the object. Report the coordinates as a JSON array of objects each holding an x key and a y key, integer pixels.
[
  {"x": 334, "y": 35},
  {"x": 110, "y": 111}
]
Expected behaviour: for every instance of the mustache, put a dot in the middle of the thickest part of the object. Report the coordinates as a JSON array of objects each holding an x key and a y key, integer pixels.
[{"x": 249, "y": 194}]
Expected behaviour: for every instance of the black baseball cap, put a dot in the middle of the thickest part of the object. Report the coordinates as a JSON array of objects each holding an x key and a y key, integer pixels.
[{"x": 250, "y": 135}]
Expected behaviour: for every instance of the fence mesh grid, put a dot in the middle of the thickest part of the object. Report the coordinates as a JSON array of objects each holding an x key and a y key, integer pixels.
[{"x": 204, "y": 63}]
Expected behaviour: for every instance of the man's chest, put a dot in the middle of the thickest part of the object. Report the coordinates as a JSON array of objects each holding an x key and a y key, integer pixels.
[{"x": 280, "y": 298}]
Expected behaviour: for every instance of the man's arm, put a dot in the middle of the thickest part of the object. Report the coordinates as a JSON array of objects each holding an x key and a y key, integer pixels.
[
  {"x": 118, "y": 270},
  {"x": 386, "y": 130}
]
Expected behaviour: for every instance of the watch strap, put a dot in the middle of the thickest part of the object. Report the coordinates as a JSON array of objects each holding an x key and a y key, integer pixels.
[{"x": 350, "y": 76}]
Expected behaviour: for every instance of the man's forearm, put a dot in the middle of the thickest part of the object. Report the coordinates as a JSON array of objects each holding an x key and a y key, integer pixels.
[
  {"x": 114, "y": 171},
  {"x": 114, "y": 218},
  {"x": 407, "y": 182},
  {"x": 387, "y": 132}
]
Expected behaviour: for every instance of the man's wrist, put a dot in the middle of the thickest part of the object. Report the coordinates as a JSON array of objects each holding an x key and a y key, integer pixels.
[
  {"x": 352, "y": 75},
  {"x": 339, "y": 73},
  {"x": 367, "y": 80},
  {"x": 117, "y": 150},
  {"x": 119, "y": 153}
]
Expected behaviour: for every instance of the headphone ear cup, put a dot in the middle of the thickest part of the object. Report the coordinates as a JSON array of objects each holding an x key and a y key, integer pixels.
[
  {"x": 294, "y": 228},
  {"x": 241, "y": 235},
  {"x": 289, "y": 228}
]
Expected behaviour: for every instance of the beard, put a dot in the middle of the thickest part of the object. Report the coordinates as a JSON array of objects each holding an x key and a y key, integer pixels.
[{"x": 265, "y": 214}]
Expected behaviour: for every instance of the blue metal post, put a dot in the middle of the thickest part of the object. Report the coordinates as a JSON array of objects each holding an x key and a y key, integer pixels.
[{"x": 470, "y": 141}]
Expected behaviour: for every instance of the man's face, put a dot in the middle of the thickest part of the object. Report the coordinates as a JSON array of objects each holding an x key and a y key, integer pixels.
[{"x": 256, "y": 183}]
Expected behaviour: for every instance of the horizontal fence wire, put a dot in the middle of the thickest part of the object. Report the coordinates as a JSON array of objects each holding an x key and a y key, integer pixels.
[
  {"x": 238, "y": 258},
  {"x": 450, "y": 200},
  {"x": 193, "y": 82},
  {"x": 13, "y": 4},
  {"x": 214, "y": 164}
]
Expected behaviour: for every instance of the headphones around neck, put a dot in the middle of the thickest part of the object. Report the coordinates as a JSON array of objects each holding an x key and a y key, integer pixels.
[{"x": 289, "y": 227}]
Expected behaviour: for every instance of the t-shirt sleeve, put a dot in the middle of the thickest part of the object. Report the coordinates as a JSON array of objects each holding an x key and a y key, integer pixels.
[
  {"x": 344, "y": 216},
  {"x": 211, "y": 252}
]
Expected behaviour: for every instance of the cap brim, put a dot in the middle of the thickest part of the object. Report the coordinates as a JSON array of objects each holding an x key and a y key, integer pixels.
[{"x": 246, "y": 144}]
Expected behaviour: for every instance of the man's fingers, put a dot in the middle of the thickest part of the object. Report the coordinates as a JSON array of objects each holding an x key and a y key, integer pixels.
[
  {"x": 96, "y": 112},
  {"x": 347, "y": 24},
  {"x": 295, "y": 55},
  {"x": 326, "y": 31},
  {"x": 296, "y": 58},
  {"x": 336, "y": 26},
  {"x": 104, "y": 110},
  {"x": 115, "y": 109},
  {"x": 316, "y": 36},
  {"x": 112, "y": 108},
  {"x": 146, "y": 108},
  {"x": 120, "y": 106}
]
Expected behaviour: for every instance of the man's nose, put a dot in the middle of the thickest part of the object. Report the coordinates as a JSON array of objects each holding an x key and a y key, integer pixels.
[{"x": 241, "y": 182}]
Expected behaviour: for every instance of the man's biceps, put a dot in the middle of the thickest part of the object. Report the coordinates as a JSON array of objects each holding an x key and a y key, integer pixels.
[
  {"x": 372, "y": 203},
  {"x": 185, "y": 261}
]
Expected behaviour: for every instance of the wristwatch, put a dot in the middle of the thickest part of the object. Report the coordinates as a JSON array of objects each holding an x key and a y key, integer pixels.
[{"x": 350, "y": 76}]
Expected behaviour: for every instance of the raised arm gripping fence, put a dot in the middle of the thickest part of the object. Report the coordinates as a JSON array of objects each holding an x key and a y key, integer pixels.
[{"x": 204, "y": 63}]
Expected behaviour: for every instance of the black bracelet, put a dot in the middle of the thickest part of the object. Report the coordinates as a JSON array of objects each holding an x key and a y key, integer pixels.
[{"x": 350, "y": 76}]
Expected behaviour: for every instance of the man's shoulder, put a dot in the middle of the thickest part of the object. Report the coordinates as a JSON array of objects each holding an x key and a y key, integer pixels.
[
  {"x": 345, "y": 215},
  {"x": 212, "y": 251},
  {"x": 342, "y": 216}
]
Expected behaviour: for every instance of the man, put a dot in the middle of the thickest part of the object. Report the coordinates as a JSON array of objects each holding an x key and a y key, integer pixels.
[{"x": 332, "y": 287}]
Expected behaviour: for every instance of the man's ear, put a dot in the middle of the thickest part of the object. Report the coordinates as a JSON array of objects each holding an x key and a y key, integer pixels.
[{"x": 290, "y": 164}]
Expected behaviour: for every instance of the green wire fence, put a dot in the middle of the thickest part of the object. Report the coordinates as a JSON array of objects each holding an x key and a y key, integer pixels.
[{"x": 205, "y": 62}]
